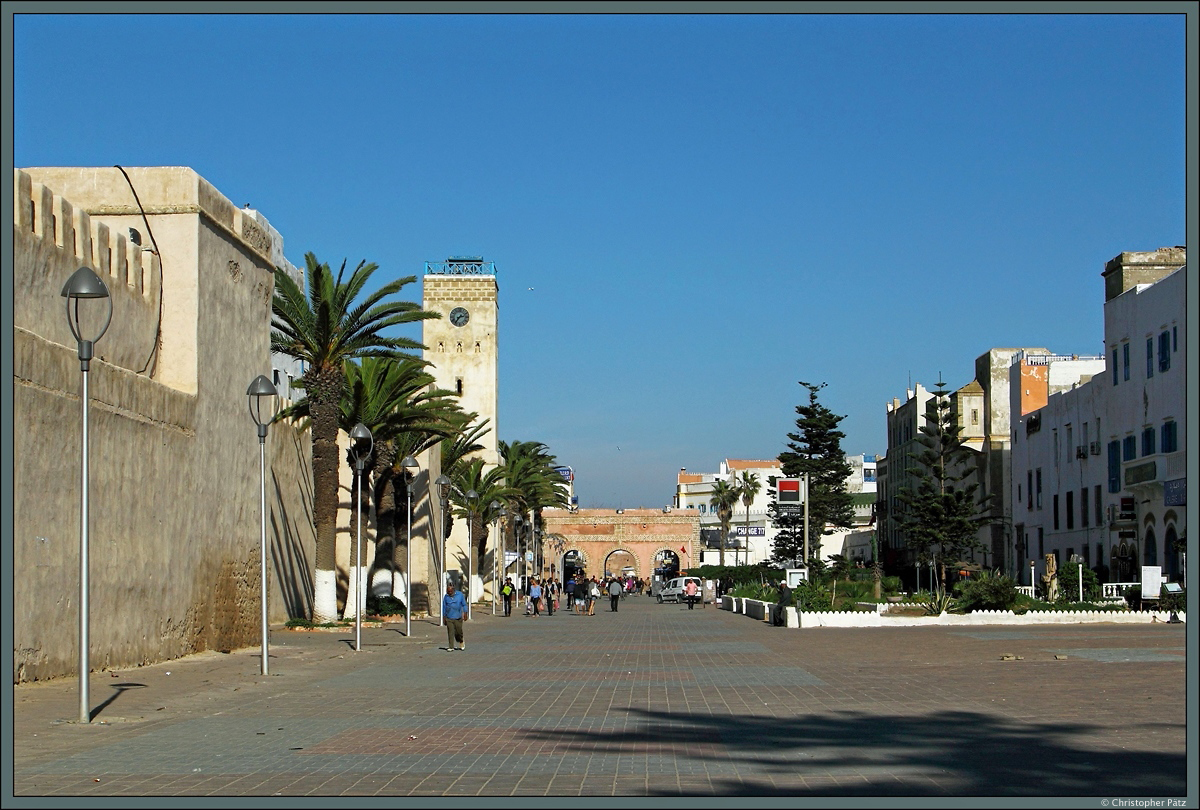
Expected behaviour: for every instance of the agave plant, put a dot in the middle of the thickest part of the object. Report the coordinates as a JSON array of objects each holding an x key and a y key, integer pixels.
[{"x": 939, "y": 602}]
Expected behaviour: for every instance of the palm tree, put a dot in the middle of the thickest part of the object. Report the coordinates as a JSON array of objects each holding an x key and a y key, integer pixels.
[
  {"x": 529, "y": 469},
  {"x": 395, "y": 400},
  {"x": 323, "y": 330},
  {"x": 748, "y": 487},
  {"x": 724, "y": 496},
  {"x": 489, "y": 487}
]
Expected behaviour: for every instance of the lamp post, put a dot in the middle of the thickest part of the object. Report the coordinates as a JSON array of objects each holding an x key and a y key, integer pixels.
[
  {"x": 497, "y": 513},
  {"x": 84, "y": 284},
  {"x": 409, "y": 465},
  {"x": 470, "y": 498},
  {"x": 517, "y": 519},
  {"x": 358, "y": 435},
  {"x": 443, "y": 487},
  {"x": 261, "y": 388}
]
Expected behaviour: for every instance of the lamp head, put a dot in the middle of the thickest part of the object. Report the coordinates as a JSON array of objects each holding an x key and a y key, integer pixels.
[
  {"x": 360, "y": 434},
  {"x": 443, "y": 486},
  {"x": 84, "y": 283},
  {"x": 260, "y": 389}
]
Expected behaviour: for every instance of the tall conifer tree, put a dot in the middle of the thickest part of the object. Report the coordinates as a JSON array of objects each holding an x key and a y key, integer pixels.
[{"x": 816, "y": 448}]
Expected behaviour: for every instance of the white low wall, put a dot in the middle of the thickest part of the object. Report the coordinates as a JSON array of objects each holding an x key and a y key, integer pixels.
[{"x": 761, "y": 611}]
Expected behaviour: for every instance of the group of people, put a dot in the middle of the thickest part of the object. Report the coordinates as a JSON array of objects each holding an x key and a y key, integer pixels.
[{"x": 543, "y": 597}]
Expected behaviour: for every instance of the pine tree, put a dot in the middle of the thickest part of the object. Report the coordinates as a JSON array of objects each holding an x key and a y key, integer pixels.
[
  {"x": 941, "y": 517},
  {"x": 816, "y": 448}
]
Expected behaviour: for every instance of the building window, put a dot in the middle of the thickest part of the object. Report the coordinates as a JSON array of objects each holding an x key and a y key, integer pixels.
[
  {"x": 1130, "y": 449},
  {"x": 1164, "y": 351},
  {"x": 1114, "y": 365},
  {"x": 1039, "y": 488},
  {"x": 1170, "y": 437},
  {"x": 1114, "y": 466},
  {"x": 1174, "y": 338},
  {"x": 1099, "y": 512},
  {"x": 1055, "y": 503},
  {"x": 1070, "y": 509},
  {"x": 1149, "y": 446},
  {"x": 1150, "y": 357},
  {"x": 1083, "y": 507},
  {"x": 1125, "y": 362},
  {"x": 1041, "y": 543},
  {"x": 1029, "y": 487},
  {"x": 1070, "y": 443},
  {"x": 974, "y": 416}
]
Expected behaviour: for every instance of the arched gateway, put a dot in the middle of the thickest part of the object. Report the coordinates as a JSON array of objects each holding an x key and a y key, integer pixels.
[{"x": 593, "y": 535}]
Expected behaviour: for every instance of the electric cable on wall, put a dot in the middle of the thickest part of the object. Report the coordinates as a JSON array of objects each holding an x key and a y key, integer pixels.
[{"x": 150, "y": 233}]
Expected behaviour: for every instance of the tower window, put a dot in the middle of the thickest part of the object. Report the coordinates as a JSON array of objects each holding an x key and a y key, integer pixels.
[{"x": 458, "y": 388}]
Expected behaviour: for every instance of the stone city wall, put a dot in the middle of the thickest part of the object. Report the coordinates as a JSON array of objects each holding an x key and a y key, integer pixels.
[{"x": 174, "y": 474}]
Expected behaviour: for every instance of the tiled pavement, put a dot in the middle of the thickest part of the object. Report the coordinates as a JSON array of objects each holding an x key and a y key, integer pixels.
[{"x": 653, "y": 700}]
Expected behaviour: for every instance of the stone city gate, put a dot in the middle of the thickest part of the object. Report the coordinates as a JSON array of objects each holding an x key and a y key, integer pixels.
[{"x": 596, "y": 533}]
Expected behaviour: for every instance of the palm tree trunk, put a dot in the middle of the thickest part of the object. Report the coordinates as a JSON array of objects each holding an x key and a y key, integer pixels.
[
  {"x": 357, "y": 580},
  {"x": 324, "y": 391},
  {"x": 383, "y": 568}
]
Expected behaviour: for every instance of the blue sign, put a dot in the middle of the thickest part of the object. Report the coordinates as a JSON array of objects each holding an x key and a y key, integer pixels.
[{"x": 1175, "y": 492}]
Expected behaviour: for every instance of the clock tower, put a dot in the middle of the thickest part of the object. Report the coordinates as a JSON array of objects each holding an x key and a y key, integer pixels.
[{"x": 461, "y": 345}]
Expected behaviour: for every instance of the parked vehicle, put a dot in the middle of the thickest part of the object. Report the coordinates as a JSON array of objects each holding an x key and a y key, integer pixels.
[{"x": 673, "y": 590}]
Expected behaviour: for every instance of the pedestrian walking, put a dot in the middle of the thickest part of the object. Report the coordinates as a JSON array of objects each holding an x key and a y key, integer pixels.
[
  {"x": 569, "y": 587},
  {"x": 690, "y": 591},
  {"x": 593, "y": 595},
  {"x": 535, "y": 597},
  {"x": 507, "y": 592},
  {"x": 550, "y": 594},
  {"x": 455, "y": 611},
  {"x": 614, "y": 593}
]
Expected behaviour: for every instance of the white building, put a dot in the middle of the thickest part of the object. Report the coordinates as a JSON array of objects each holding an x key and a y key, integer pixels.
[
  {"x": 1098, "y": 470},
  {"x": 752, "y": 535}
]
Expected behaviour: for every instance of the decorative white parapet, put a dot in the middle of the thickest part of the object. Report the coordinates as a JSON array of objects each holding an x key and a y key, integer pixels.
[{"x": 760, "y": 610}]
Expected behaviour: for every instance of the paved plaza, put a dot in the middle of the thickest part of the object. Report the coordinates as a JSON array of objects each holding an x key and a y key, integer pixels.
[{"x": 654, "y": 700}]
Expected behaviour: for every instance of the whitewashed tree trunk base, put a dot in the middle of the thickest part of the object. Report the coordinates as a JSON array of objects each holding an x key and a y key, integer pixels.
[{"x": 324, "y": 596}]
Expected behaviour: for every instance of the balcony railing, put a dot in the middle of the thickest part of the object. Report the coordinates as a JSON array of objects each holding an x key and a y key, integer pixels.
[{"x": 1154, "y": 469}]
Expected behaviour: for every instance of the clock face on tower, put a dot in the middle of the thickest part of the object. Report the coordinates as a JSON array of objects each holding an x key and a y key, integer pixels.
[{"x": 459, "y": 316}]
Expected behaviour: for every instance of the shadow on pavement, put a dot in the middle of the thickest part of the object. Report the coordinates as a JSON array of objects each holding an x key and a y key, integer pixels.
[{"x": 851, "y": 753}]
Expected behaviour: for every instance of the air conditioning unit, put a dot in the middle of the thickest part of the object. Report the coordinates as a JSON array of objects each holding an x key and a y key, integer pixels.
[
  {"x": 1095, "y": 448},
  {"x": 1112, "y": 513}
]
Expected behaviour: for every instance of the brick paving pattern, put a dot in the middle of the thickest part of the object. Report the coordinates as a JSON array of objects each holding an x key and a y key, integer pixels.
[{"x": 654, "y": 700}]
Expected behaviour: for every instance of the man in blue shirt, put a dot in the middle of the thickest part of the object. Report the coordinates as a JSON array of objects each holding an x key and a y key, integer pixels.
[{"x": 455, "y": 612}]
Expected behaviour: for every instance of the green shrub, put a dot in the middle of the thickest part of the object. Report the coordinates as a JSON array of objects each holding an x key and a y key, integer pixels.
[
  {"x": 891, "y": 585},
  {"x": 987, "y": 591},
  {"x": 1176, "y": 602},
  {"x": 1068, "y": 583},
  {"x": 811, "y": 597},
  {"x": 384, "y": 606}
]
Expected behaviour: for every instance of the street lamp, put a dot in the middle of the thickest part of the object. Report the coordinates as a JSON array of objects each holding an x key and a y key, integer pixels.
[
  {"x": 443, "y": 487},
  {"x": 409, "y": 466},
  {"x": 84, "y": 284},
  {"x": 260, "y": 389},
  {"x": 358, "y": 435},
  {"x": 497, "y": 513},
  {"x": 470, "y": 499},
  {"x": 517, "y": 520}
]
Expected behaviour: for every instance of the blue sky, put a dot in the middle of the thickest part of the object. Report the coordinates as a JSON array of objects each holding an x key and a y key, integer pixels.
[{"x": 709, "y": 209}]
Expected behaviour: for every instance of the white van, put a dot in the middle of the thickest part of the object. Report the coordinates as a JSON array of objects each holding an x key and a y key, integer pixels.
[{"x": 673, "y": 590}]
